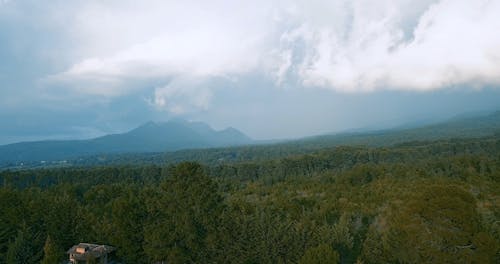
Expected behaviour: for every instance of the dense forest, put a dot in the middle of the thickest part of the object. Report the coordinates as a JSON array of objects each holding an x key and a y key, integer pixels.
[{"x": 414, "y": 202}]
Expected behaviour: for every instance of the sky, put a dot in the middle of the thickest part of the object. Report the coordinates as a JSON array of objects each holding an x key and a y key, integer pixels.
[{"x": 270, "y": 68}]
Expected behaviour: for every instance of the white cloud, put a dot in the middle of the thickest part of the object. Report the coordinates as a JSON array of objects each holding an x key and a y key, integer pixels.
[
  {"x": 181, "y": 96},
  {"x": 347, "y": 46},
  {"x": 454, "y": 43},
  {"x": 163, "y": 40}
]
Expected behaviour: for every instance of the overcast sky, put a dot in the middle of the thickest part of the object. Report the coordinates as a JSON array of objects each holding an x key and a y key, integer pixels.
[{"x": 273, "y": 69}]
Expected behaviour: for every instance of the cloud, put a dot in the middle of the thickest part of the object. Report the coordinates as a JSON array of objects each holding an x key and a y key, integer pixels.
[
  {"x": 168, "y": 40},
  {"x": 349, "y": 46},
  {"x": 257, "y": 65},
  {"x": 181, "y": 96},
  {"x": 453, "y": 43}
]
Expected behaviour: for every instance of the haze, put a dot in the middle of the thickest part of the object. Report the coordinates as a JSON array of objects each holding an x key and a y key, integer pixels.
[{"x": 272, "y": 69}]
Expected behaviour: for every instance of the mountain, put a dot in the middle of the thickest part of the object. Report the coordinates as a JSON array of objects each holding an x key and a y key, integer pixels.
[
  {"x": 147, "y": 143},
  {"x": 463, "y": 126},
  {"x": 150, "y": 137}
]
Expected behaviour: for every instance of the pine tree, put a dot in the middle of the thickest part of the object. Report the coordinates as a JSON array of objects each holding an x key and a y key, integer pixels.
[
  {"x": 23, "y": 249},
  {"x": 184, "y": 216},
  {"x": 322, "y": 254},
  {"x": 51, "y": 253}
]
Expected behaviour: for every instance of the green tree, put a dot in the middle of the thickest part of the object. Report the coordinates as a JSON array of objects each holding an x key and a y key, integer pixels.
[
  {"x": 6, "y": 233},
  {"x": 127, "y": 234},
  {"x": 62, "y": 217},
  {"x": 51, "y": 253},
  {"x": 437, "y": 224},
  {"x": 322, "y": 254},
  {"x": 24, "y": 248},
  {"x": 183, "y": 216}
]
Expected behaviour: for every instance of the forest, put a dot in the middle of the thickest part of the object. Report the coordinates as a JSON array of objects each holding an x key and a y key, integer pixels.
[{"x": 432, "y": 201}]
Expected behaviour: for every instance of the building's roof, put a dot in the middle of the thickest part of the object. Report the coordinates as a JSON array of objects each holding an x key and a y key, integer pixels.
[{"x": 85, "y": 251}]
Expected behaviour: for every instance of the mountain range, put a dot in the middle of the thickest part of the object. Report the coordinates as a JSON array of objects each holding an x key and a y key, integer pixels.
[
  {"x": 150, "y": 137},
  {"x": 180, "y": 140}
]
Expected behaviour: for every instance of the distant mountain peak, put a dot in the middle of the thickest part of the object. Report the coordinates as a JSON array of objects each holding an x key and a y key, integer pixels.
[
  {"x": 149, "y": 124},
  {"x": 149, "y": 137},
  {"x": 230, "y": 129}
]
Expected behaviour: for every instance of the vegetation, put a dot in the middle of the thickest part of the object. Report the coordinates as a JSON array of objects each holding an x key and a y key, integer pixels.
[
  {"x": 416, "y": 202},
  {"x": 150, "y": 137},
  {"x": 145, "y": 144}
]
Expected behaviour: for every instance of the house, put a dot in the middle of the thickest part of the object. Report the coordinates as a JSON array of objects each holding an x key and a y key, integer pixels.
[{"x": 89, "y": 253}]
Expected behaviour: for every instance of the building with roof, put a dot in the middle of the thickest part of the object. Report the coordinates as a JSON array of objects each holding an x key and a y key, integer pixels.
[{"x": 90, "y": 253}]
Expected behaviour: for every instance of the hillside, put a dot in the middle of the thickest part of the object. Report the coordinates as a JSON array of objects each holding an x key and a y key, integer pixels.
[
  {"x": 144, "y": 146},
  {"x": 456, "y": 128},
  {"x": 150, "y": 137},
  {"x": 427, "y": 202}
]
